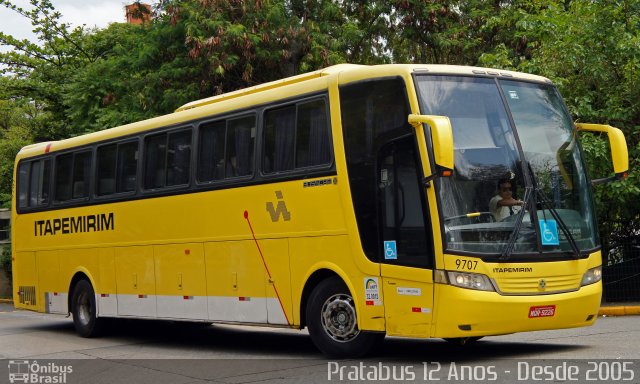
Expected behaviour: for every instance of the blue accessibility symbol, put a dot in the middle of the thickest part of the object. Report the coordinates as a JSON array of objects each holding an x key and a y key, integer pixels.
[
  {"x": 549, "y": 232},
  {"x": 390, "y": 252}
]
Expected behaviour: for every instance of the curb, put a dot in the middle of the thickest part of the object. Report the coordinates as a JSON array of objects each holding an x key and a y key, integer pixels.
[
  {"x": 619, "y": 310},
  {"x": 6, "y": 301}
]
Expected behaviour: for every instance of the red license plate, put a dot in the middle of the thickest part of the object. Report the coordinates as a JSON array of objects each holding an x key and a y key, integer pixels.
[{"x": 545, "y": 311}]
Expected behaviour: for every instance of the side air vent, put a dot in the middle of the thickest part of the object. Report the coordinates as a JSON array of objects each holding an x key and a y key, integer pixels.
[{"x": 27, "y": 295}]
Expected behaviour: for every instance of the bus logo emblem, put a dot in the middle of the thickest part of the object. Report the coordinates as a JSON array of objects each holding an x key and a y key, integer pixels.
[
  {"x": 542, "y": 284},
  {"x": 279, "y": 210}
]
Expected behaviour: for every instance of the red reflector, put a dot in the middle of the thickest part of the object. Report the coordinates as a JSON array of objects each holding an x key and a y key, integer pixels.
[
  {"x": 55, "y": 293},
  {"x": 104, "y": 295},
  {"x": 244, "y": 298},
  {"x": 47, "y": 148},
  {"x": 142, "y": 296},
  {"x": 369, "y": 302},
  {"x": 187, "y": 251},
  {"x": 544, "y": 311},
  {"x": 446, "y": 173},
  {"x": 416, "y": 309}
]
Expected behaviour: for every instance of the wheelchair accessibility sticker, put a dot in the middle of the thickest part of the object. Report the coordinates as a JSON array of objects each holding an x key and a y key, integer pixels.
[
  {"x": 549, "y": 232},
  {"x": 390, "y": 252}
]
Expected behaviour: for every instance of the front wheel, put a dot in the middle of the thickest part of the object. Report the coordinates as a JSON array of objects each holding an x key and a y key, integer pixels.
[
  {"x": 84, "y": 310},
  {"x": 333, "y": 324}
]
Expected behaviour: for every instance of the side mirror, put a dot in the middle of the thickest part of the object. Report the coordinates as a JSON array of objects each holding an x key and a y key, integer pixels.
[
  {"x": 618, "y": 145},
  {"x": 442, "y": 139}
]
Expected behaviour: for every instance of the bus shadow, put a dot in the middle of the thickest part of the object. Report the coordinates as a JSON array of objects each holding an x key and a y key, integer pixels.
[{"x": 205, "y": 340}]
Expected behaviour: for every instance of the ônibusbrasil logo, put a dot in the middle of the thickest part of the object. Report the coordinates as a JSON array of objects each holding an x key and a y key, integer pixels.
[{"x": 24, "y": 371}]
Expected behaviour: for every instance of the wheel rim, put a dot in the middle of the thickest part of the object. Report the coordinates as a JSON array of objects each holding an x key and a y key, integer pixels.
[
  {"x": 84, "y": 308},
  {"x": 339, "y": 318}
]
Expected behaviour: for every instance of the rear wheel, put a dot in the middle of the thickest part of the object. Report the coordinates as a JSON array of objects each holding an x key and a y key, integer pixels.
[
  {"x": 84, "y": 310},
  {"x": 333, "y": 324}
]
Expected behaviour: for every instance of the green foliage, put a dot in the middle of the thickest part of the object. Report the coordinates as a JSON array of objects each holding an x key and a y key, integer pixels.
[
  {"x": 75, "y": 80},
  {"x": 5, "y": 261}
]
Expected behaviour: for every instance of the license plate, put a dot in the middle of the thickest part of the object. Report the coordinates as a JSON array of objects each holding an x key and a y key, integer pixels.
[{"x": 545, "y": 311}]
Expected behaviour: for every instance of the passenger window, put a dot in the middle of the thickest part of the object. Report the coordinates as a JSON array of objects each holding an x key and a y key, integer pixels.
[
  {"x": 155, "y": 161},
  {"x": 312, "y": 138},
  {"x": 64, "y": 167},
  {"x": 81, "y": 175},
  {"x": 167, "y": 159},
  {"x": 279, "y": 139},
  {"x": 34, "y": 183},
  {"x": 211, "y": 154},
  {"x": 296, "y": 136},
  {"x": 127, "y": 167},
  {"x": 72, "y": 178},
  {"x": 117, "y": 168},
  {"x": 241, "y": 134},
  {"x": 179, "y": 158},
  {"x": 39, "y": 183},
  {"x": 106, "y": 166},
  {"x": 23, "y": 184}
]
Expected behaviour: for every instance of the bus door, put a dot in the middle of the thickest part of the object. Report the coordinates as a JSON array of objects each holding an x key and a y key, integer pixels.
[{"x": 407, "y": 251}]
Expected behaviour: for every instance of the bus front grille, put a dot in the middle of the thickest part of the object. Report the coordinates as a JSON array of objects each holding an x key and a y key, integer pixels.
[{"x": 538, "y": 285}]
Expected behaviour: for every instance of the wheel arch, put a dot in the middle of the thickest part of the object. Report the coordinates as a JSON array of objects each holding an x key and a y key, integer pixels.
[
  {"x": 312, "y": 281},
  {"x": 78, "y": 276}
]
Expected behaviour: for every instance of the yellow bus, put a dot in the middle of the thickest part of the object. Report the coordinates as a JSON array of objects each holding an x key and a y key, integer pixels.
[{"x": 355, "y": 201}]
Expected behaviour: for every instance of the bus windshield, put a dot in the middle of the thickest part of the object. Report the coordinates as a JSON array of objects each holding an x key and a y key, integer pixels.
[{"x": 510, "y": 137}]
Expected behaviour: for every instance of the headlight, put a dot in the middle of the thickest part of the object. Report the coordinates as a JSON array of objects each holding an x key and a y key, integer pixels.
[
  {"x": 592, "y": 276},
  {"x": 470, "y": 281}
]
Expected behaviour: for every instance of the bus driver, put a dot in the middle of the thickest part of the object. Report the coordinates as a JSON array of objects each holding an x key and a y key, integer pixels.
[{"x": 503, "y": 205}]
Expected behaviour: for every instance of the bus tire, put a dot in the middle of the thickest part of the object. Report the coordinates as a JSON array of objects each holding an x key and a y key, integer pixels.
[
  {"x": 332, "y": 322},
  {"x": 84, "y": 310}
]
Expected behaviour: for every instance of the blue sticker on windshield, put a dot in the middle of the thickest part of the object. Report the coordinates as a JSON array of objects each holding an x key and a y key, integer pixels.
[{"x": 549, "y": 232}]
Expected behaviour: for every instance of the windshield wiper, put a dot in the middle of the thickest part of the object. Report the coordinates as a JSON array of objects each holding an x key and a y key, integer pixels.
[
  {"x": 508, "y": 249},
  {"x": 561, "y": 223},
  {"x": 538, "y": 194}
]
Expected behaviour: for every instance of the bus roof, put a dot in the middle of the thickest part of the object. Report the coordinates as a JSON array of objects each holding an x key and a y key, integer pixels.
[{"x": 199, "y": 108}]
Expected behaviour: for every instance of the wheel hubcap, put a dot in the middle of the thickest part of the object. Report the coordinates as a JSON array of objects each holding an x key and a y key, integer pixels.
[
  {"x": 339, "y": 318},
  {"x": 84, "y": 309}
]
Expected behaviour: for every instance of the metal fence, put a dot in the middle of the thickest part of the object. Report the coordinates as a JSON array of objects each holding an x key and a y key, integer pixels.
[{"x": 621, "y": 270}]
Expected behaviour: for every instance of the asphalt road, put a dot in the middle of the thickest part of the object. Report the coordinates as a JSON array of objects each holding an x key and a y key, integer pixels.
[{"x": 162, "y": 352}]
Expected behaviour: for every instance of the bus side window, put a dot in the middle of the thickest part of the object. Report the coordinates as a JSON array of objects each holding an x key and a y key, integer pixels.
[
  {"x": 179, "y": 158},
  {"x": 155, "y": 154},
  {"x": 312, "y": 139},
  {"x": 296, "y": 136},
  {"x": 211, "y": 151},
  {"x": 23, "y": 184},
  {"x": 81, "y": 174},
  {"x": 106, "y": 159},
  {"x": 117, "y": 167},
  {"x": 64, "y": 167},
  {"x": 241, "y": 135},
  {"x": 279, "y": 136},
  {"x": 33, "y": 183},
  {"x": 127, "y": 167}
]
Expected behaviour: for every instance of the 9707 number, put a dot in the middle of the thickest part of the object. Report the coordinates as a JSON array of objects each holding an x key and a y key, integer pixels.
[{"x": 469, "y": 265}]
